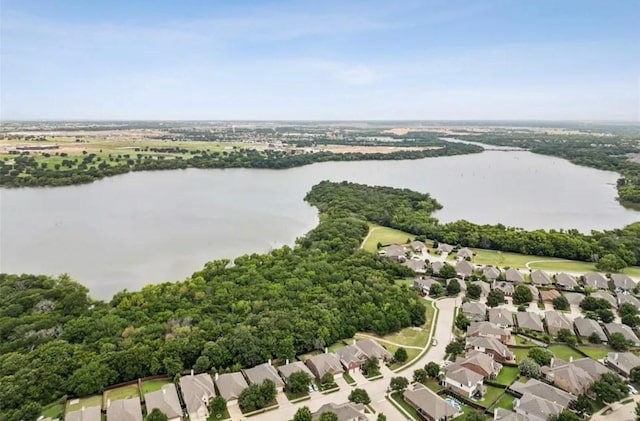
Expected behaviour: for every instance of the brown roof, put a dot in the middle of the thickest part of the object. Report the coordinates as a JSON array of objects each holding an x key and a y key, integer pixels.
[{"x": 428, "y": 402}]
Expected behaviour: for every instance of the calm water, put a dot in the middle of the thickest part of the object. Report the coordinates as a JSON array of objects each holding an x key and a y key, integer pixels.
[{"x": 126, "y": 231}]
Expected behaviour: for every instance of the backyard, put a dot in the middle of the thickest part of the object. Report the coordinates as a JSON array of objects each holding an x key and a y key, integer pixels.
[
  {"x": 595, "y": 352},
  {"x": 507, "y": 375},
  {"x": 75, "y": 404},
  {"x": 153, "y": 385},
  {"x": 123, "y": 392},
  {"x": 385, "y": 236},
  {"x": 491, "y": 394},
  {"x": 564, "y": 352},
  {"x": 505, "y": 402}
]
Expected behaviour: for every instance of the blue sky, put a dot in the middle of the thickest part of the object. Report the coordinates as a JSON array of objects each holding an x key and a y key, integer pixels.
[{"x": 213, "y": 60}]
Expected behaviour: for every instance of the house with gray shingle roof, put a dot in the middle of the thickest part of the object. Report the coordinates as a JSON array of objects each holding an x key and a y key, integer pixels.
[
  {"x": 574, "y": 298},
  {"x": 492, "y": 347},
  {"x": 479, "y": 362},
  {"x": 166, "y": 400},
  {"x": 197, "y": 391},
  {"x": 89, "y": 413},
  {"x": 595, "y": 280},
  {"x": 536, "y": 408},
  {"x": 587, "y": 327},
  {"x": 230, "y": 385},
  {"x": 575, "y": 377},
  {"x": 556, "y": 321},
  {"x": 501, "y": 317},
  {"x": 539, "y": 277},
  {"x": 418, "y": 266},
  {"x": 288, "y": 369},
  {"x": 345, "y": 412},
  {"x": 464, "y": 253},
  {"x": 351, "y": 357},
  {"x": 485, "y": 288},
  {"x": 544, "y": 391},
  {"x": 463, "y": 381},
  {"x": 603, "y": 295},
  {"x": 513, "y": 275},
  {"x": 373, "y": 349},
  {"x": 324, "y": 363},
  {"x": 417, "y": 246},
  {"x": 566, "y": 281},
  {"x": 627, "y": 298},
  {"x": 464, "y": 268},
  {"x": 262, "y": 372},
  {"x": 528, "y": 320},
  {"x": 507, "y": 288},
  {"x": 622, "y": 282},
  {"x": 491, "y": 273},
  {"x": 622, "y": 362},
  {"x": 549, "y": 295},
  {"x": 436, "y": 266},
  {"x": 429, "y": 404},
  {"x": 489, "y": 330},
  {"x": 125, "y": 410},
  {"x": 625, "y": 330},
  {"x": 474, "y": 310},
  {"x": 394, "y": 252},
  {"x": 444, "y": 248},
  {"x": 501, "y": 414}
]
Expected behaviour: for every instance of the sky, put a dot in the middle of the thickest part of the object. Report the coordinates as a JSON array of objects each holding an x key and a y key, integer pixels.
[{"x": 320, "y": 60}]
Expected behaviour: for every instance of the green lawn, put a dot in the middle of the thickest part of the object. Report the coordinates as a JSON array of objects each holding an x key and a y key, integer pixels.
[
  {"x": 520, "y": 353},
  {"x": 219, "y": 416},
  {"x": 153, "y": 385},
  {"x": 595, "y": 352},
  {"x": 507, "y": 375},
  {"x": 466, "y": 410},
  {"x": 505, "y": 402},
  {"x": 124, "y": 392},
  {"x": 293, "y": 396},
  {"x": 54, "y": 410},
  {"x": 86, "y": 402},
  {"x": 564, "y": 352},
  {"x": 523, "y": 341},
  {"x": 348, "y": 378},
  {"x": 398, "y": 399},
  {"x": 385, "y": 236},
  {"x": 491, "y": 394}
]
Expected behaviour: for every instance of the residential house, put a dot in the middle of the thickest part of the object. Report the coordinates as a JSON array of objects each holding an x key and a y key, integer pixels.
[
  {"x": 574, "y": 298},
  {"x": 625, "y": 330},
  {"x": 484, "y": 287},
  {"x": 424, "y": 283},
  {"x": 622, "y": 282},
  {"x": 587, "y": 327},
  {"x": 544, "y": 391},
  {"x": 501, "y": 414},
  {"x": 230, "y": 385},
  {"x": 345, "y": 412},
  {"x": 463, "y": 285},
  {"x": 556, "y": 321},
  {"x": 436, "y": 266},
  {"x": 197, "y": 391},
  {"x": 474, "y": 310},
  {"x": 394, "y": 252},
  {"x": 166, "y": 400},
  {"x": 490, "y": 346},
  {"x": 624, "y": 297},
  {"x": 536, "y": 408},
  {"x": 464, "y": 268},
  {"x": 575, "y": 377},
  {"x": 540, "y": 278},
  {"x": 373, "y": 349},
  {"x": 565, "y": 281},
  {"x": 595, "y": 280},
  {"x": 607, "y": 297},
  {"x": 528, "y": 320},
  {"x": 444, "y": 248},
  {"x": 288, "y": 369},
  {"x": 324, "y": 363},
  {"x": 481, "y": 363},
  {"x": 507, "y": 288},
  {"x": 124, "y": 410},
  {"x": 463, "y": 381},
  {"x": 89, "y": 413},
  {"x": 491, "y": 273},
  {"x": 501, "y": 317},
  {"x": 416, "y": 265},
  {"x": 622, "y": 362},
  {"x": 489, "y": 330},
  {"x": 464, "y": 254},
  {"x": 547, "y": 296},
  {"x": 534, "y": 291},
  {"x": 513, "y": 275},
  {"x": 351, "y": 357},
  {"x": 429, "y": 405},
  {"x": 417, "y": 246},
  {"x": 262, "y": 372}
]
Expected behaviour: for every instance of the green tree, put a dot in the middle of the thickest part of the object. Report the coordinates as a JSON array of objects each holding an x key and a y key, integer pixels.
[
  {"x": 582, "y": 405},
  {"x": 371, "y": 367},
  {"x": 495, "y": 298},
  {"x": 565, "y": 415},
  {"x": 455, "y": 347},
  {"x": 202, "y": 364},
  {"x": 473, "y": 291},
  {"x": 327, "y": 378},
  {"x": 475, "y": 416},
  {"x": 298, "y": 382},
  {"x": 156, "y": 415},
  {"x": 566, "y": 335},
  {"x": 594, "y": 338},
  {"x": 618, "y": 342},
  {"x": 432, "y": 369},
  {"x": 400, "y": 355},
  {"x": 605, "y": 315},
  {"x": 462, "y": 321},
  {"x": 528, "y": 367},
  {"x": 561, "y": 303},
  {"x": 610, "y": 388},
  {"x": 328, "y": 416},
  {"x": 398, "y": 384},
  {"x": 303, "y": 414},
  {"x": 420, "y": 375},
  {"x": 447, "y": 272},
  {"x": 359, "y": 396},
  {"x": 436, "y": 290},
  {"x": 453, "y": 286},
  {"x": 381, "y": 417},
  {"x": 218, "y": 406},
  {"x": 540, "y": 355},
  {"x": 522, "y": 295},
  {"x": 610, "y": 263},
  {"x": 635, "y": 375}
]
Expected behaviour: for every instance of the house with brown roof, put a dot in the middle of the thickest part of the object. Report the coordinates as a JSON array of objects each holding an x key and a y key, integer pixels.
[
  {"x": 394, "y": 252},
  {"x": 595, "y": 280},
  {"x": 513, "y": 275},
  {"x": 166, "y": 400},
  {"x": 540, "y": 278},
  {"x": 463, "y": 381},
  {"x": 544, "y": 391},
  {"x": 485, "y": 288},
  {"x": 475, "y": 310},
  {"x": 464, "y": 268},
  {"x": 501, "y": 317},
  {"x": 548, "y": 296},
  {"x": 372, "y": 348},
  {"x": 565, "y": 281},
  {"x": 622, "y": 282},
  {"x": 587, "y": 327},
  {"x": 556, "y": 321},
  {"x": 575, "y": 377},
  {"x": 529, "y": 320},
  {"x": 538, "y": 401},
  {"x": 351, "y": 357},
  {"x": 197, "y": 391},
  {"x": 489, "y": 330},
  {"x": 89, "y": 413},
  {"x": 622, "y": 362},
  {"x": 492, "y": 347},
  {"x": 124, "y": 410},
  {"x": 481, "y": 363},
  {"x": 324, "y": 363},
  {"x": 345, "y": 412},
  {"x": 262, "y": 372},
  {"x": 230, "y": 385},
  {"x": 624, "y": 330},
  {"x": 429, "y": 405}
]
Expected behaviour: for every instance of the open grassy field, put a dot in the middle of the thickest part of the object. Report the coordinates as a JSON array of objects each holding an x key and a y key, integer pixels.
[
  {"x": 75, "y": 404},
  {"x": 507, "y": 375},
  {"x": 55, "y": 410},
  {"x": 564, "y": 352},
  {"x": 124, "y": 392},
  {"x": 384, "y": 235},
  {"x": 153, "y": 385}
]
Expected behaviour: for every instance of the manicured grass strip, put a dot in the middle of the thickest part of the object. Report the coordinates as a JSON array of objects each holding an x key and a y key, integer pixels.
[
  {"x": 595, "y": 352},
  {"x": 86, "y": 402},
  {"x": 507, "y": 375},
  {"x": 224, "y": 415},
  {"x": 153, "y": 385},
  {"x": 54, "y": 410},
  {"x": 520, "y": 353},
  {"x": 124, "y": 392},
  {"x": 348, "y": 378},
  {"x": 385, "y": 236},
  {"x": 294, "y": 396},
  {"x": 564, "y": 352},
  {"x": 505, "y": 402},
  {"x": 490, "y": 395},
  {"x": 397, "y": 398}
]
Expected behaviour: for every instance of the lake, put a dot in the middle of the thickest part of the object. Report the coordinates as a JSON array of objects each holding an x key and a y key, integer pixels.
[{"x": 130, "y": 230}]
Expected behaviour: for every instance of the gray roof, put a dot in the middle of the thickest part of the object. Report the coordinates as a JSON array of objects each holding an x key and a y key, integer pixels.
[
  {"x": 262, "y": 372},
  {"x": 485, "y": 329},
  {"x": 537, "y": 406},
  {"x": 350, "y": 354},
  {"x": 606, "y": 296},
  {"x": 166, "y": 400},
  {"x": 429, "y": 402},
  {"x": 513, "y": 275},
  {"x": 574, "y": 298},
  {"x": 625, "y": 361},
  {"x": 465, "y": 253},
  {"x": 566, "y": 281},
  {"x": 196, "y": 391},
  {"x": 586, "y": 327},
  {"x": 230, "y": 385},
  {"x": 506, "y": 287},
  {"x": 539, "y": 277},
  {"x": 417, "y": 245},
  {"x": 556, "y": 320},
  {"x": 322, "y": 363},
  {"x": 416, "y": 265},
  {"x": 345, "y": 412},
  {"x": 424, "y": 281},
  {"x": 289, "y": 369},
  {"x": 436, "y": 266},
  {"x": 125, "y": 410},
  {"x": 622, "y": 281},
  {"x": 595, "y": 280},
  {"x": 474, "y": 308},
  {"x": 373, "y": 349},
  {"x": 489, "y": 343},
  {"x": 501, "y": 316},
  {"x": 491, "y": 272},
  {"x": 464, "y": 267},
  {"x": 501, "y": 414},
  {"x": 394, "y": 250},
  {"x": 628, "y": 298},
  {"x": 464, "y": 376},
  {"x": 544, "y": 391},
  {"x": 485, "y": 287},
  {"x": 529, "y": 320},
  {"x": 89, "y": 413},
  {"x": 444, "y": 248},
  {"x": 625, "y": 330},
  {"x": 592, "y": 367}
]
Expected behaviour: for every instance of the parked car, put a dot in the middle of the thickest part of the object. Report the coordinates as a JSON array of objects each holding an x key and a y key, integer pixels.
[
  {"x": 632, "y": 389},
  {"x": 434, "y": 342}
]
